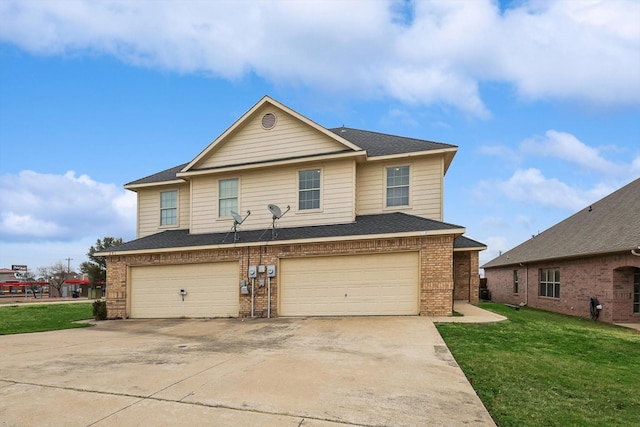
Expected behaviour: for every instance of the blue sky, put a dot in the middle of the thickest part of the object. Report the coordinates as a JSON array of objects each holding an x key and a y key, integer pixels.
[{"x": 542, "y": 98}]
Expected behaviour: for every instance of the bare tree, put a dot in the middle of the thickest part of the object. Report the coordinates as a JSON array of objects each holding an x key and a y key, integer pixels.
[
  {"x": 56, "y": 274},
  {"x": 32, "y": 283}
]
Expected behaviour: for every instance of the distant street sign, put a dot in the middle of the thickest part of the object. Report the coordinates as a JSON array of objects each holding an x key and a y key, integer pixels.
[{"x": 19, "y": 267}]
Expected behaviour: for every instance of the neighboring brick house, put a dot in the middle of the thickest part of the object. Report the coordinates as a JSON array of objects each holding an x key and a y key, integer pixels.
[
  {"x": 358, "y": 227},
  {"x": 592, "y": 254}
]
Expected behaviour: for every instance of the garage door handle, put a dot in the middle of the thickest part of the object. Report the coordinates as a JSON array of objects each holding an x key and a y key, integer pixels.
[{"x": 345, "y": 295}]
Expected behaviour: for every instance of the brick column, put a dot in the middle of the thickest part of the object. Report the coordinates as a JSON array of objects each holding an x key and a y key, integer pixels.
[
  {"x": 116, "y": 288},
  {"x": 436, "y": 281}
]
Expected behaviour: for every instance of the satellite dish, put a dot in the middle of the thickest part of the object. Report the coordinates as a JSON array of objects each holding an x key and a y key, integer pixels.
[
  {"x": 277, "y": 214},
  {"x": 237, "y": 220},
  {"x": 275, "y": 211},
  {"x": 236, "y": 217}
]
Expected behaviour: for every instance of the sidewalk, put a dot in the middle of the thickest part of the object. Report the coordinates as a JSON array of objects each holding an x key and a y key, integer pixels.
[
  {"x": 470, "y": 314},
  {"x": 23, "y": 302}
]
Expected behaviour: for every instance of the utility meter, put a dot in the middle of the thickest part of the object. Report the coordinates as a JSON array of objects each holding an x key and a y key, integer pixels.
[
  {"x": 271, "y": 271},
  {"x": 253, "y": 272}
]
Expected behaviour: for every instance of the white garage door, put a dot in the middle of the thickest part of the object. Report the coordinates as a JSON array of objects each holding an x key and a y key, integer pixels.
[
  {"x": 356, "y": 285},
  {"x": 212, "y": 290}
]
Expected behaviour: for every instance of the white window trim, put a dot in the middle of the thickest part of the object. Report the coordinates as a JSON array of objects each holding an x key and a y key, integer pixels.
[
  {"x": 321, "y": 205},
  {"x": 177, "y": 208},
  {"x": 384, "y": 187},
  {"x": 218, "y": 196},
  {"x": 547, "y": 282}
]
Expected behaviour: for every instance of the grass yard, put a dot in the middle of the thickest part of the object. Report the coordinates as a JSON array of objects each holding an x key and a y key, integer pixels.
[
  {"x": 45, "y": 317},
  {"x": 546, "y": 369}
]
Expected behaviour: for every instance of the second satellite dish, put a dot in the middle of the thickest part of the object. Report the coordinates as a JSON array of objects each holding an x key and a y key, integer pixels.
[{"x": 277, "y": 214}]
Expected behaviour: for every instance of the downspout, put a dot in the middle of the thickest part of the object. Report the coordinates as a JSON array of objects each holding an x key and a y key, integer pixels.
[{"x": 526, "y": 285}]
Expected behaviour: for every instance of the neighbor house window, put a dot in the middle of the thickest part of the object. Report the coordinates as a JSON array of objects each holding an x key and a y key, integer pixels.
[
  {"x": 515, "y": 281},
  {"x": 227, "y": 196},
  {"x": 636, "y": 291},
  {"x": 398, "y": 186},
  {"x": 169, "y": 208},
  {"x": 309, "y": 189},
  {"x": 550, "y": 283}
]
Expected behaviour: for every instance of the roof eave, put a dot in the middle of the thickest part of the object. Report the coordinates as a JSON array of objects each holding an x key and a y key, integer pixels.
[
  {"x": 271, "y": 163},
  {"x": 419, "y": 233},
  {"x": 135, "y": 187},
  {"x": 559, "y": 258},
  {"x": 446, "y": 151}
]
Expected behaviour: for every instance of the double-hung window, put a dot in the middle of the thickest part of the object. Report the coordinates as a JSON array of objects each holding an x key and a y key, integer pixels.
[
  {"x": 169, "y": 208},
  {"x": 515, "y": 281},
  {"x": 309, "y": 189},
  {"x": 227, "y": 196},
  {"x": 550, "y": 283},
  {"x": 397, "y": 186}
]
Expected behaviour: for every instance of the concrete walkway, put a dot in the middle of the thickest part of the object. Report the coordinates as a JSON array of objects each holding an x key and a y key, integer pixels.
[
  {"x": 470, "y": 314},
  {"x": 635, "y": 326}
]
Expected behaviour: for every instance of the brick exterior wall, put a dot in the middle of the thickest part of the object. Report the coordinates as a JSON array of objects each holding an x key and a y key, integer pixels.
[
  {"x": 607, "y": 277},
  {"x": 436, "y": 269},
  {"x": 466, "y": 277}
]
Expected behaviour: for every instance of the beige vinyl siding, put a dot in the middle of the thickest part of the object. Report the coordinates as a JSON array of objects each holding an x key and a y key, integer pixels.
[
  {"x": 149, "y": 209},
  {"x": 277, "y": 186},
  {"x": 425, "y": 192},
  {"x": 252, "y": 143}
]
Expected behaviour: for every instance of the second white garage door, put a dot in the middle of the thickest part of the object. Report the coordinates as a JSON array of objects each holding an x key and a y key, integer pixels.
[
  {"x": 212, "y": 290},
  {"x": 356, "y": 285}
]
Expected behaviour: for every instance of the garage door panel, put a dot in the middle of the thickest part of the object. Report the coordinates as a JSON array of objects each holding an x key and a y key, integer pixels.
[
  {"x": 373, "y": 284},
  {"x": 212, "y": 290}
]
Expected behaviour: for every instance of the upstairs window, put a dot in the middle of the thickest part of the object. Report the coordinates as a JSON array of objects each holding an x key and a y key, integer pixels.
[
  {"x": 550, "y": 283},
  {"x": 309, "y": 189},
  {"x": 398, "y": 186},
  {"x": 227, "y": 196},
  {"x": 168, "y": 208}
]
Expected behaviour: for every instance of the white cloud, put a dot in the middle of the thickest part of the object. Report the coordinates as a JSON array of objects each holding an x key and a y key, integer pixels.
[
  {"x": 45, "y": 207},
  {"x": 421, "y": 53},
  {"x": 530, "y": 186},
  {"x": 567, "y": 147}
]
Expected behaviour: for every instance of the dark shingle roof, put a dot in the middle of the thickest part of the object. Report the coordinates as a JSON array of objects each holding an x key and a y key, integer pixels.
[
  {"x": 612, "y": 224},
  {"x": 165, "y": 175},
  {"x": 381, "y": 144},
  {"x": 391, "y": 223},
  {"x": 463, "y": 242}
]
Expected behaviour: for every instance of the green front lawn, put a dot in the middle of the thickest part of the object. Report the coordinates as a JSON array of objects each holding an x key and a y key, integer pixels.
[
  {"x": 546, "y": 369},
  {"x": 46, "y": 317}
]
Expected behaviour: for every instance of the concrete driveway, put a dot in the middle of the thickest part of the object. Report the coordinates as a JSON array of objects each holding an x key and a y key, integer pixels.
[{"x": 371, "y": 371}]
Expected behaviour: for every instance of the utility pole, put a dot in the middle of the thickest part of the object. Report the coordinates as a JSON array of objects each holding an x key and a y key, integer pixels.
[{"x": 69, "y": 264}]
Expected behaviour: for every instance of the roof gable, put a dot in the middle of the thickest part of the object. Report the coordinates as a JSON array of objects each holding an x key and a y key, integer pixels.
[
  {"x": 609, "y": 225},
  {"x": 269, "y": 131}
]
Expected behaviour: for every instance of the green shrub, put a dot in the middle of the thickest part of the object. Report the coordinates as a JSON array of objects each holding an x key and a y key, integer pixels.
[{"x": 100, "y": 310}]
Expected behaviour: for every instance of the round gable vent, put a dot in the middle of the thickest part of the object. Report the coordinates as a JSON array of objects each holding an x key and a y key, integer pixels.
[{"x": 268, "y": 121}]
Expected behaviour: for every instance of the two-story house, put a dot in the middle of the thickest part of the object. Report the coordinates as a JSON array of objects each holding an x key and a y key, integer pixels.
[{"x": 280, "y": 216}]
